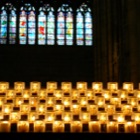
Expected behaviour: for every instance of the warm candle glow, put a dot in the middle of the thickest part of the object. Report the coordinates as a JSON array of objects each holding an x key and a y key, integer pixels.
[
  {"x": 35, "y": 86},
  {"x": 66, "y": 86},
  {"x": 19, "y": 86},
  {"x": 81, "y": 85},
  {"x": 112, "y": 86},
  {"x": 97, "y": 86},
  {"x": 128, "y": 86},
  {"x": 51, "y": 86},
  {"x": 4, "y": 86}
]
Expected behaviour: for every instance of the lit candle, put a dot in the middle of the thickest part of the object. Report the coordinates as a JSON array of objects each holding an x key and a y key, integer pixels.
[
  {"x": 76, "y": 126},
  {"x": 67, "y": 117},
  {"x": 58, "y": 126},
  {"x": 26, "y": 94},
  {"x": 112, "y": 127},
  {"x": 10, "y": 94},
  {"x": 94, "y": 127},
  {"x": 66, "y": 101},
  {"x": 5, "y": 126},
  {"x": 66, "y": 86},
  {"x": 19, "y": 86},
  {"x": 51, "y": 86},
  {"x": 75, "y": 94},
  {"x": 50, "y": 117},
  {"x": 97, "y": 86},
  {"x": 81, "y": 86},
  {"x": 110, "y": 109},
  {"x": 23, "y": 126},
  {"x": 32, "y": 117},
  {"x": 127, "y": 109},
  {"x": 39, "y": 126},
  {"x": 106, "y": 94},
  {"x": 50, "y": 101},
  {"x": 4, "y": 86},
  {"x": 100, "y": 101},
  {"x": 89, "y": 94},
  {"x": 58, "y": 94},
  {"x": 35, "y": 86},
  {"x": 14, "y": 116},
  {"x": 84, "y": 117},
  {"x": 42, "y": 94},
  {"x": 83, "y": 101},
  {"x": 130, "y": 128},
  {"x": 112, "y": 86},
  {"x": 128, "y": 86}
]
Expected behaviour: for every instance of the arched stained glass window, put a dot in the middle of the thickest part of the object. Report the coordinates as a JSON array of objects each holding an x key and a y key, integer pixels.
[
  {"x": 84, "y": 26},
  {"x": 3, "y": 26},
  {"x": 65, "y": 25},
  {"x": 12, "y": 26},
  {"x": 50, "y": 26},
  {"x": 27, "y": 25},
  {"x": 42, "y": 27}
]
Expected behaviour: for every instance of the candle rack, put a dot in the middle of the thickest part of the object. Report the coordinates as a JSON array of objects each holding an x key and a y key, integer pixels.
[{"x": 66, "y": 109}]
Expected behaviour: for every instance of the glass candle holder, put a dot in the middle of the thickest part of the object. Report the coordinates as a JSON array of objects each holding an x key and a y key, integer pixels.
[
  {"x": 94, "y": 126},
  {"x": 41, "y": 109},
  {"x": 25, "y": 108},
  {"x": 100, "y": 101},
  {"x": 10, "y": 94},
  {"x": 75, "y": 94},
  {"x": 39, "y": 126},
  {"x": 14, "y": 116},
  {"x": 7, "y": 109},
  {"x": 84, "y": 117},
  {"x": 33, "y": 101},
  {"x": 110, "y": 109},
  {"x": 58, "y": 126},
  {"x": 123, "y": 94},
  {"x": 112, "y": 127},
  {"x": 128, "y": 86},
  {"x": 66, "y": 86},
  {"x": 82, "y": 86},
  {"x": 59, "y": 108},
  {"x": 50, "y": 101},
  {"x": 112, "y": 86},
  {"x": 75, "y": 108},
  {"x": 66, "y": 101},
  {"x": 26, "y": 94},
  {"x": 115, "y": 101},
  {"x": 119, "y": 117},
  {"x": 2, "y": 101},
  {"x": 32, "y": 116},
  {"x": 83, "y": 101},
  {"x": 58, "y": 94},
  {"x": 133, "y": 102},
  {"x": 93, "y": 109},
  {"x": 66, "y": 116},
  {"x": 42, "y": 94},
  {"x": 102, "y": 117},
  {"x": 97, "y": 86},
  {"x": 130, "y": 127},
  {"x": 89, "y": 94},
  {"x": 50, "y": 117},
  {"x": 5, "y": 126},
  {"x": 76, "y": 126},
  {"x": 19, "y": 86},
  {"x": 127, "y": 109},
  {"x": 18, "y": 101},
  {"x": 4, "y": 86},
  {"x": 23, "y": 126},
  {"x": 106, "y": 94},
  {"x": 35, "y": 86},
  {"x": 51, "y": 86}
]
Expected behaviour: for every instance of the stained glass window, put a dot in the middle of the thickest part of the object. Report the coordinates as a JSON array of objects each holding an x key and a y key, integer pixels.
[
  {"x": 50, "y": 26},
  {"x": 31, "y": 28},
  {"x": 27, "y": 25},
  {"x": 3, "y": 26},
  {"x": 42, "y": 27},
  {"x": 12, "y": 27},
  {"x": 65, "y": 25},
  {"x": 84, "y": 26}
]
